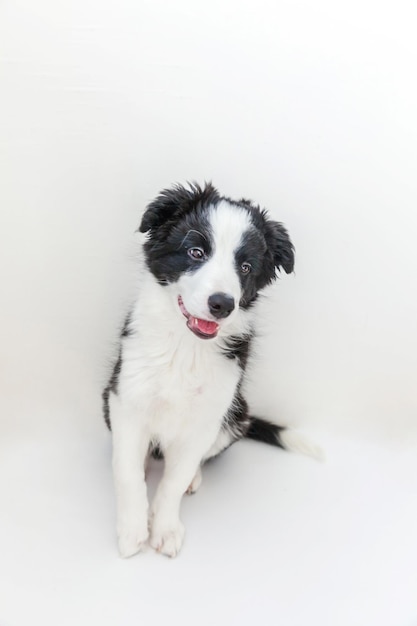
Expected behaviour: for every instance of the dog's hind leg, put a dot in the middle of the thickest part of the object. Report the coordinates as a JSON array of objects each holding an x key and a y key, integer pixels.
[
  {"x": 195, "y": 483},
  {"x": 224, "y": 440}
]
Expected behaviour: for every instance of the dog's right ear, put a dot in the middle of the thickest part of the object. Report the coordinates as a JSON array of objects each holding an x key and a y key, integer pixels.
[
  {"x": 175, "y": 202},
  {"x": 165, "y": 206}
]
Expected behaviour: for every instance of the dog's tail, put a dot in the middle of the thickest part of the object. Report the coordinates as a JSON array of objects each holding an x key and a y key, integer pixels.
[{"x": 262, "y": 430}]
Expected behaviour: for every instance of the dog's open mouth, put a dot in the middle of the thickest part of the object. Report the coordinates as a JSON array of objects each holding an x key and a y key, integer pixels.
[{"x": 202, "y": 328}]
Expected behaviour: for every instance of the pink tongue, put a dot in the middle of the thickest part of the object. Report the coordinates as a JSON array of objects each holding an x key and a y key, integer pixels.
[{"x": 204, "y": 326}]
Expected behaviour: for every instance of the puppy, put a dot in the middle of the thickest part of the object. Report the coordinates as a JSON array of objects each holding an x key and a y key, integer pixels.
[{"x": 176, "y": 388}]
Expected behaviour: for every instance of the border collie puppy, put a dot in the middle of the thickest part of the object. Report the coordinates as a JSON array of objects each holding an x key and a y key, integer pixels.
[{"x": 176, "y": 387}]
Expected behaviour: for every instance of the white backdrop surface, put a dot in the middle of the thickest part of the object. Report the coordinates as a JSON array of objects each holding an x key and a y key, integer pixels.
[{"x": 310, "y": 110}]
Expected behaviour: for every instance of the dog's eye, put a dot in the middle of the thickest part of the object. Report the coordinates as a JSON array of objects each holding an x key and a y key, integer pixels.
[
  {"x": 196, "y": 253},
  {"x": 245, "y": 268}
]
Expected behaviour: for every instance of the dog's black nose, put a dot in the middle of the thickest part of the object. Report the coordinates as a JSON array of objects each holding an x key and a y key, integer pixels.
[{"x": 221, "y": 305}]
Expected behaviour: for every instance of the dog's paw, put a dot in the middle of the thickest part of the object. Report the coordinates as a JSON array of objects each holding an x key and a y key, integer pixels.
[
  {"x": 167, "y": 539},
  {"x": 195, "y": 483},
  {"x": 132, "y": 538}
]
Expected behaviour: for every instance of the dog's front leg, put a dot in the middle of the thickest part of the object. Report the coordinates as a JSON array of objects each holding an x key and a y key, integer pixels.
[
  {"x": 181, "y": 464},
  {"x": 130, "y": 446}
]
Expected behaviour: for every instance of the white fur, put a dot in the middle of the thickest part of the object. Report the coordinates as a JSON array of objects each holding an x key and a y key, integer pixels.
[
  {"x": 173, "y": 388},
  {"x": 296, "y": 442},
  {"x": 219, "y": 273}
]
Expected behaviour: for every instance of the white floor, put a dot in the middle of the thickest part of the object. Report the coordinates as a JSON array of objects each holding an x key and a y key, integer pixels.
[{"x": 272, "y": 538}]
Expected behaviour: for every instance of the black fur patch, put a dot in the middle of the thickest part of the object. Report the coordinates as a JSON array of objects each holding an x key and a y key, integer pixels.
[
  {"x": 276, "y": 236},
  {"x": 126, "y": 330},
  {"x": 253, "y": 250},
  {"x": 237, "y": 419},
  {"x": 112, "y": 386},
  {"x": 167, "y": 257},
  {"x": 264, "y": 431},
  {"x": 173, "y": 204},
  {"x": 238, "y": 348}
]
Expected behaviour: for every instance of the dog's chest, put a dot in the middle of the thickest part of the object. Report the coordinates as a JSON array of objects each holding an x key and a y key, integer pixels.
[{"x": 181, "y": 384}]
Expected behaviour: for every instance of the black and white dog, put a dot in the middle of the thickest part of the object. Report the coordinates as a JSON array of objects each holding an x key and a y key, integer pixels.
[{"x": 176, "y": 387}]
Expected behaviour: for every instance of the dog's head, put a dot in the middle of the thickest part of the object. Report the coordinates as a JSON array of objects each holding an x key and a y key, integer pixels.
[{"x": 214, "y": 253}]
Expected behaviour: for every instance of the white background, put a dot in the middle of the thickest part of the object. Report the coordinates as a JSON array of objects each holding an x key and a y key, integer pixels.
[{"x": 309, "y": 108}]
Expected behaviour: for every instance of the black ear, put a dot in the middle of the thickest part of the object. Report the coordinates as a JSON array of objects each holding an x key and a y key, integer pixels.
[
  {"x": 176, "y": 202},
  {"x": 279, "y": 244}
]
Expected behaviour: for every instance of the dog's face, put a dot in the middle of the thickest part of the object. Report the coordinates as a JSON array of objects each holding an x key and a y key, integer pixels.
[{"x": 213, "y": 253}]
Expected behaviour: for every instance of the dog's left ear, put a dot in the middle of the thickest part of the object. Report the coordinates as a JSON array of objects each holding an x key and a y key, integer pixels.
[{"x": 280, "y": 245}]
